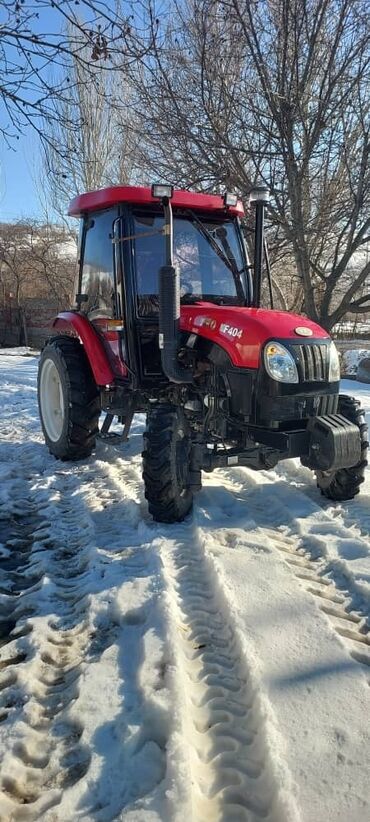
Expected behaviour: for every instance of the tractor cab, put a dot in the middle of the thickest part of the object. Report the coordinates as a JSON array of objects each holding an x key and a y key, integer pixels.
[{"x": 121, "y": 251}]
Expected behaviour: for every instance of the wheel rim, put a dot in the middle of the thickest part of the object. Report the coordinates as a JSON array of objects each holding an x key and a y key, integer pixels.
[{"x": 51, "y": 400}]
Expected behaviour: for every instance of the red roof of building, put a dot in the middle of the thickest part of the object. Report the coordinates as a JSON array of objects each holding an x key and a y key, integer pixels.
[{"x": 138, "y": 195}]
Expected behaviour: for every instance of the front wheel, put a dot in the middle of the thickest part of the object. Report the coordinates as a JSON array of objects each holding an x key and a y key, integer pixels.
[
  {"x": 68, "y": 399},
  {"x": 166, "y": 464},
  {"x": 346, "y": 482}
]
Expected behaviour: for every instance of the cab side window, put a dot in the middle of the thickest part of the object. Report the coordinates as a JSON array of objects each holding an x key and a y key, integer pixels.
[
  {"x": 149, "y": 257},
  {"x": 97, "y": 281}
]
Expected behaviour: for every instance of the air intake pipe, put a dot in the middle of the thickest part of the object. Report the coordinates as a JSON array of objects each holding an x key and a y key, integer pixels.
[
  {"x": 169, "y": 307},
  {"x": 259, "y": 197}
]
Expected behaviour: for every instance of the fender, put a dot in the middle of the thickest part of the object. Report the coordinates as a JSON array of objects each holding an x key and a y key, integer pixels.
[{"x": 70, "y": 321}]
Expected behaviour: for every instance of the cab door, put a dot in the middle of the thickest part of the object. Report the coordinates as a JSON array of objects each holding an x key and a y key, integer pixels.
[
  {"x": 100, "y": 290},
  {"x": 148, "y": 255}
]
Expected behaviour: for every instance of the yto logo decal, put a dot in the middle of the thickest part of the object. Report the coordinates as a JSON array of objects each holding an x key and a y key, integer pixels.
[
  {"x": 210, "y": 323},
  {"x": 207, "y": 322},
  {"x": 231, "y": 330}
]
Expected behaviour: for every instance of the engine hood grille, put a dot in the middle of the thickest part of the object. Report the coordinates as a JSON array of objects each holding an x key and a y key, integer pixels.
[{"x": 313, "y": 362}]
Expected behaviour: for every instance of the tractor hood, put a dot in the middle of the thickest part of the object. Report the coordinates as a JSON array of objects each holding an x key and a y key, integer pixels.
[{"x": 242, "y": 332}]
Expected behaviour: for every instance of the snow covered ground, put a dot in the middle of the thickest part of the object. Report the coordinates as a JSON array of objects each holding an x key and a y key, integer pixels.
[{"x": 213, "y": 670}]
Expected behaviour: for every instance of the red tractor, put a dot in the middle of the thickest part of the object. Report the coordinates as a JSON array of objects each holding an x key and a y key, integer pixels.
[{"x": 168, "y": 322}]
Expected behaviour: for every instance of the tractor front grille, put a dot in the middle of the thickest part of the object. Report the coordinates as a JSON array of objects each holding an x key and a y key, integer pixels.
[{"x": 313, "y": 362}]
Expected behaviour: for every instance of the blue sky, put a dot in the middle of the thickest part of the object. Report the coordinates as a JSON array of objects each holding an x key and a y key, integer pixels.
[
  {"x": 20, "y": 165},
  {"x": 19, "y": 170}
]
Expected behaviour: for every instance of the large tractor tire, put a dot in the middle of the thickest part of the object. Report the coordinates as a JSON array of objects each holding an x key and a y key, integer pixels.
[
  {"x": 68, "y": 399},
  {"x": 346, "y": 482},
  {"x": 166, "y": 464}
]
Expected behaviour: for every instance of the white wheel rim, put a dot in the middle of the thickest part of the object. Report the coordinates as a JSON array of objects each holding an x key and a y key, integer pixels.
[{"x": 51, "y": 400}]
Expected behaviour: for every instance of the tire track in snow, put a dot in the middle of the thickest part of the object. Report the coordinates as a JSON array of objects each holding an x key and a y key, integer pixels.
[
  {"x": 48, "y": 750},
  {"x": 231, "y": 772},
  {"x": 354, "y": 513},
  {"x": 19, "y": 580},
  {"x": 343, "y": 599},
  {"x": 231, "y": 776},
  {"x": 216, "y": 783},
  {"x": 46, "y": 755},
  {"x": 128, "y": 619},
  {"x": 336, "y": 603}
]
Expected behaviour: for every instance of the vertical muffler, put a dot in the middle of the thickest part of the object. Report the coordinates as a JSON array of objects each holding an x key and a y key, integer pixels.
[
  {"x": 169, "y": 302},
  {"x": 169, "y": 324}
]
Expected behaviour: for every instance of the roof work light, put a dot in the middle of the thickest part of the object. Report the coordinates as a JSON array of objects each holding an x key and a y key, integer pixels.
[
  {"x": 159, "y": 191},
  {"x": 230, "y": 200}
]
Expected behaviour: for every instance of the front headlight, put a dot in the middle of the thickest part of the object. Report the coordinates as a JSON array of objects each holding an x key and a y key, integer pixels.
[
  {"x": 334, "y": 365},
  {"x": 279, "y": 363}
]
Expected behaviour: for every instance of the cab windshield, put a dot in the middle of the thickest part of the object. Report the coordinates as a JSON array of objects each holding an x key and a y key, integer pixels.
[{"x": 209, "y": 255}]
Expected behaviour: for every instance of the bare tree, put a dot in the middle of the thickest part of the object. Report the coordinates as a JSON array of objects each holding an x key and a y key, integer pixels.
[
  {"x": 36, "y": 261},
  {"x": 316, "y": 118},
  {"x": 276, "y": 90},
  {"x": 101, "y": 148},
  {"x": 52, "y": 262},
  {"x": 34, "y": 39}
]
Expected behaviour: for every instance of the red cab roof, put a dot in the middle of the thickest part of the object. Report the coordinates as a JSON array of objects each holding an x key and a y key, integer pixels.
[{"x": 138, "y": 195}]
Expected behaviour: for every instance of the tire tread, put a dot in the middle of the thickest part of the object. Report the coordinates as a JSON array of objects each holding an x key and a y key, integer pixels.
[
  {"x": 166, "y": 502},
  {"x": 84, "y": 405}
]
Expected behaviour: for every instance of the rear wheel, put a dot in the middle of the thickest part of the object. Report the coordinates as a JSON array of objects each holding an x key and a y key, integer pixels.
[
  {"x": 166, "y": 464},
  {"x": 346, "y": 482},
  {"x": 68, "y": 399}
]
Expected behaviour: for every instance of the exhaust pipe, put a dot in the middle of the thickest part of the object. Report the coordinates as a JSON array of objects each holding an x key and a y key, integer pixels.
[
  {"x": 169, "y": 324},
  {"x": 169, "y": 307}
]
